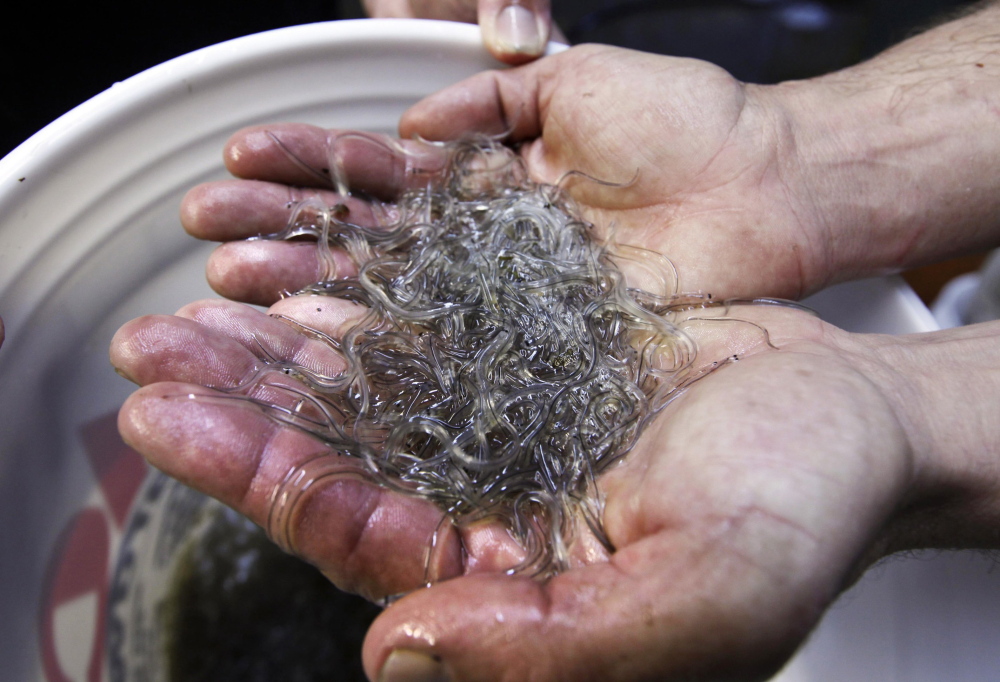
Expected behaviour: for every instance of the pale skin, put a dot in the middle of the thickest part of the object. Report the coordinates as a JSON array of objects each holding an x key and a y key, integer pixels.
[
  {"x": 754, "y": 498},
  {"x": 514, "y": 31}
]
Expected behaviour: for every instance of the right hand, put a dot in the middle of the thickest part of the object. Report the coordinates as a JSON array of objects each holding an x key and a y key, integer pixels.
[
  {"x": 743, "y": 510},
  {"x": 514, "y": 31}
]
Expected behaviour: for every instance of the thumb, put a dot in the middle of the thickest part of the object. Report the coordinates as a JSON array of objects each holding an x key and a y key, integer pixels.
[
  {"x": 599, "y": 622},
  {"x": 515, "y": 31},
  {"x": 505, "y": 102},
  {"x": 388, "y": 9},
  {"x": 448, "y": 10}
]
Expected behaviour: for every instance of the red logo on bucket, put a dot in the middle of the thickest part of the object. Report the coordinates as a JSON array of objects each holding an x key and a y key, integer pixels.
[{"x": 75, "y": 594}]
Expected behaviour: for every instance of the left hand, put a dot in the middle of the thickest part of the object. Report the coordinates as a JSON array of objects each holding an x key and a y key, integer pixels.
[{"x": 708, "y": 170}]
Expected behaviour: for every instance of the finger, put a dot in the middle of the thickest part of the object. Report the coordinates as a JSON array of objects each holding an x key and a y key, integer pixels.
[
  {"x": 299, "y": 154},
  {"x": 448, "y": 10},
  {"x": 515, "y": 31},
  {"x": 388, "y": 9},
  {"x": 219, "y": 343},
  {"x": 326, "y": 314},
  {"x": 261, "y": 272},
  {"x": 272, "y": 335},
  {"x": 238, "y": 209},
  {"x": 365, "y": 538},
  {"x": 187, "y": 351},
  {"x": 492, "y": 103},
  {"x": 164, "y": 348}
]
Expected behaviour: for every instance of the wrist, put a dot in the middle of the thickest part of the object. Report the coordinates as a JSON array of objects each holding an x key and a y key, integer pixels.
[
  {"x": 898, "y": 158},
  {"x": 944, "y": 388}
]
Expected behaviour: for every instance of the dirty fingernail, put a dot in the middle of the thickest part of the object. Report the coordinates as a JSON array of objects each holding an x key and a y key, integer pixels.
[
  {"x": 517, "y": 30},
  {"x": 404, "y": 665}
]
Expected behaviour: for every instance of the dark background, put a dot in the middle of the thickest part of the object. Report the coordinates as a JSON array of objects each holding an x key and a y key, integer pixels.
[{"x": 54, "y": 59}]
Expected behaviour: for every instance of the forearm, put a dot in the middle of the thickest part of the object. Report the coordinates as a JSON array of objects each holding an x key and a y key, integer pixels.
[
  {"x": 945, "y": 387},
  {"x": 899, "y": 157}
]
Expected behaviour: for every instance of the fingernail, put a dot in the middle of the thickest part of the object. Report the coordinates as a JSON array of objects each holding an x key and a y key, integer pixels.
[
  {"x": 405, "y": 665},
  {"x": 517, "y": 30},
  {"x": 120, "y": 372}
]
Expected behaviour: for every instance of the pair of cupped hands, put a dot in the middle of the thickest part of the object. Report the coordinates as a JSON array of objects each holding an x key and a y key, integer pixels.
[{"x": 747, "y": 505}]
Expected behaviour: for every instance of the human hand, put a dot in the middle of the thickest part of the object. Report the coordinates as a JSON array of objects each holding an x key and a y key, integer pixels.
[
  {"x": 761, "y": 190},
  {"x": 514, "y": 31},
  {"x": 744, "y": 509},
  {"x": 885, "y": 166},
  {"x": 752, "y": 190},
  {"x": 706, "y": 174},
  {"x": 749, "y": 190}
]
